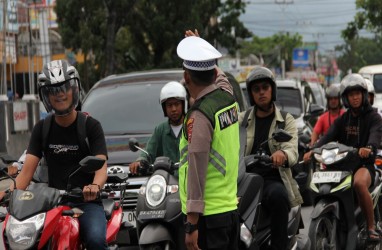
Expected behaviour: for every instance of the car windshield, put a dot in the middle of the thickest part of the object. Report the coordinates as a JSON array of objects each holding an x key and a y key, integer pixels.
[
  {"x": 289, "y": 100},
  {"x": 318, "y": 94},
  {"x": 378, "y": 83},
  {"x": 126, "y": 108}
]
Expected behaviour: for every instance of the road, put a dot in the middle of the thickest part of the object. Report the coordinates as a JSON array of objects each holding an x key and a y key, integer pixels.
[{"x": 306, "y": 211}]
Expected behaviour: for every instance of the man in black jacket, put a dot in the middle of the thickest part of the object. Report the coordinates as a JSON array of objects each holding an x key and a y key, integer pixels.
[{"x": 359, "y": 127}]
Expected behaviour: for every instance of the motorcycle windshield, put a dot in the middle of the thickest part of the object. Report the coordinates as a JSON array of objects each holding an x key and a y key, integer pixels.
[{"x": 26, "y": 203}]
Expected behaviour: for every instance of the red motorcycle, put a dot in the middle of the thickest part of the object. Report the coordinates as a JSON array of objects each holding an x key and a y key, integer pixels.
[{"x": 36, "y": 219}]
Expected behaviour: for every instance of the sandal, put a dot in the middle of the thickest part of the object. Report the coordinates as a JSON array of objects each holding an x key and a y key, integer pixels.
[{"x": 373, "y": 235}]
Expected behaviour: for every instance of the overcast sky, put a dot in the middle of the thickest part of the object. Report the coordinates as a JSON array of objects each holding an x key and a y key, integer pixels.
[{"x": 316, "y": 20}]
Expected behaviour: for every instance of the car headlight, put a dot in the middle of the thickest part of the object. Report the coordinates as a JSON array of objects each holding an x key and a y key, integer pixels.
[
  {"x": 156, "y": 190},
  {"x": 330, "y": 156},
  {"x": 23, "y": 234}
]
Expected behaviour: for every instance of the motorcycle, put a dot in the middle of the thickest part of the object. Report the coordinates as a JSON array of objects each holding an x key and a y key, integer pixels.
[
  {"x": 36, "y": 219},
  {"x": 301, "y": 171},
  {"x": 336, "y": 220},
  {"x": 255, "y": 232},
  {"x": 159, "y": 217}
]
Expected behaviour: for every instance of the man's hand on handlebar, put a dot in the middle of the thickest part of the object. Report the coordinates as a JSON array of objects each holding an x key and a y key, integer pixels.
[
  {"x": 364, "y": 152},
  {"x": 134, "y": 166},
  {"x": 278, "y": 158},
  {"x": 90, "y": 192},
  {"x": 307, "y": 156}
]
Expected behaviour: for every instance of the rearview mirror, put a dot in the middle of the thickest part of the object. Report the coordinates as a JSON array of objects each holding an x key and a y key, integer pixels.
[
  {"x": 281, "y": 135},
  {"x": 316, "y": 110},
  {"x": 91, "y": 164},
  {"x": 133, "y": 143}
]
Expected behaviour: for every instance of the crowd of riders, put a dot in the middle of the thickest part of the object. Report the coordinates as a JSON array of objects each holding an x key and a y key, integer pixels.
[{"x": 202, "y": 133}]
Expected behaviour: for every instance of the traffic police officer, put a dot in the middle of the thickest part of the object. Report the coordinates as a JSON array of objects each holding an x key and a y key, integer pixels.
[{"x": 209, "y": 153}]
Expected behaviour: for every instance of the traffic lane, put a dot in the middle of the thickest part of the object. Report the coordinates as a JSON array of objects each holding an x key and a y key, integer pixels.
[{"x": 305, "y": 213}]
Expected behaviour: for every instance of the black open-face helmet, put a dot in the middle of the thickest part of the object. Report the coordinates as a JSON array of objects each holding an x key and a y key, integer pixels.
[{"x": 260, "y": 74}]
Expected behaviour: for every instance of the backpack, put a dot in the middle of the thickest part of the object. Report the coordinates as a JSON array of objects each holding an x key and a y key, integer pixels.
[{"x": 41, "y": 173}]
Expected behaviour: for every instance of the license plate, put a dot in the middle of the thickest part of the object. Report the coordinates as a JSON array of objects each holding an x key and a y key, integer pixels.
[
  {"x": 325, "y": 177},
  {"x": 129, "y": 216},
  {"x": 155, "y": 214}
]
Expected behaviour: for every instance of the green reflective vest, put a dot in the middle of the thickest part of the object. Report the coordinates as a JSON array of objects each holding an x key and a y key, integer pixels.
[{"x": 222, "y": 171}]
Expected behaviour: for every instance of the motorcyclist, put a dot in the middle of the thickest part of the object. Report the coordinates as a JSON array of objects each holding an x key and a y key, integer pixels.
[
  {"x": 280, "y": 191},
  {"x": 371, "y": 95},
  {"x": 165, "y": 139},
  {"x": 359, "y": 127},
  {"x": 59, "y": 86},
  {"x": 334, "y": 106}
]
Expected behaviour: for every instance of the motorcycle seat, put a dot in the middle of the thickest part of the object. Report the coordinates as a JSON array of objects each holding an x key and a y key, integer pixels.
[{"x": 108, "y": 207}]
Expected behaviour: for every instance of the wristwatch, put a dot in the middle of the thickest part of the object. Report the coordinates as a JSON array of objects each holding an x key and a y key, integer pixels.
[{"x": 189, "y": 228}]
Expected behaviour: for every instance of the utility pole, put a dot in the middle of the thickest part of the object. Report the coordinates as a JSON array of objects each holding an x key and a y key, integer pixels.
[{"x": 283, "y": 3}]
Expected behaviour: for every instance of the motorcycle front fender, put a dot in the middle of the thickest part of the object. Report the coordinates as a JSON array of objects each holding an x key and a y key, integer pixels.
[
  {"x": 324, "y": 206},
  {"x": 153, "y": 233}
]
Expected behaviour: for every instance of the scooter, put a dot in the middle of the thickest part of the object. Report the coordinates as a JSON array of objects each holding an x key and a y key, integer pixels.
[
  {"x": 336, "y": 220},
  {"x": 36, "y": 219},
  {"x": 255, "y": 232},
  {"x": 159, "y": 216}
]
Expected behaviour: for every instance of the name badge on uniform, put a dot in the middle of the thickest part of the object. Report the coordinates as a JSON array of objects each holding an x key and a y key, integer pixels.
[{"x": 228, "y": 117}]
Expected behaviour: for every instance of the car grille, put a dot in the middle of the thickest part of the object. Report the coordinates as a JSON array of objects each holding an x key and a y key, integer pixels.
[{"x": 132, "y": 190}]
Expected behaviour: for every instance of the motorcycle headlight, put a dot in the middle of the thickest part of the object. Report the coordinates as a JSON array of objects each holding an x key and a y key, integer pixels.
[
  {"x": 330, "y": 156},
  {"x": 156, "y": 190},
  {"x": 23, "y": 234}
]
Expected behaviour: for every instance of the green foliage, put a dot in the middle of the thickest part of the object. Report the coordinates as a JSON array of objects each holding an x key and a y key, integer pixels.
[
  {"x": 272, "y": 49},
  {"x": 358, "y": 53},
  {"x": 121, "y": 36}
]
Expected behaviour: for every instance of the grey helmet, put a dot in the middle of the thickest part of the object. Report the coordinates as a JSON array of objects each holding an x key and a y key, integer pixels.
[
  {"x": 353, "y": 82},
  {"x": 370, "y": 90},
  {"x": 260, "y": 74},
  {"x": 58, "y": 76},
  {"x": 332, "y": 91}
]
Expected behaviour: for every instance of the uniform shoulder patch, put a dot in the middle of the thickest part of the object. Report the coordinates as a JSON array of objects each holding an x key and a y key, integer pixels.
[{"x": 190, "y": 125}]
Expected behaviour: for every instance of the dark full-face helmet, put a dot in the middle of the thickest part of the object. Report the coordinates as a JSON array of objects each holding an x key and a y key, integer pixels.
[
  {"x": 260, "y": 74},
  {"x": 58, "y": 76},
  {"x": 173, "y": 90},
  {"x": 353, "y": 82}
]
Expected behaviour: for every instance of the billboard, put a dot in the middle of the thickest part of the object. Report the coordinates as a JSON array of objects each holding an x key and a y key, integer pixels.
[{"x": 300, "y": 58}]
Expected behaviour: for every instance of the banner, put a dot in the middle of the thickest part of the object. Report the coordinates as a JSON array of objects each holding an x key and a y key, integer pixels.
[{"x": 20, "y": 116}]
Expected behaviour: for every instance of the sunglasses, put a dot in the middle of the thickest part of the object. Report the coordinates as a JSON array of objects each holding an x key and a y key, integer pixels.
[
  {"x": 64, "y": 87},
  {"x": 260, "y": 86}
]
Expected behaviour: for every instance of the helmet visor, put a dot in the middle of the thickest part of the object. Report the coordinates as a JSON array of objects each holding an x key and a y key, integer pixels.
[{"x": 55, "y": 89}]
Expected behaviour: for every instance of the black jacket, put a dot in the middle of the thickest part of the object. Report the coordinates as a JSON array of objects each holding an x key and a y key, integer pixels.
[{"x": 361, "y": 131}]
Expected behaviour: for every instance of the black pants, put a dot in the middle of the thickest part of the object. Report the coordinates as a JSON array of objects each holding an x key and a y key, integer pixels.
[
  {"x": 219, "y": 231},
  {"x": 275, "y": 200}
]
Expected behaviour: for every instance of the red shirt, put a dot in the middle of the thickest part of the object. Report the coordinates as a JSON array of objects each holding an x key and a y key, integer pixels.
[{"x": 324, "y": 122}]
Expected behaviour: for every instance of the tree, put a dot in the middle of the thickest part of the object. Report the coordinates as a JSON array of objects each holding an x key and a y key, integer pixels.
[
  {"x": 273, "y": 48},
  {"x": 120, "y": 36},
  {"x": 358, "y": 53}
]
